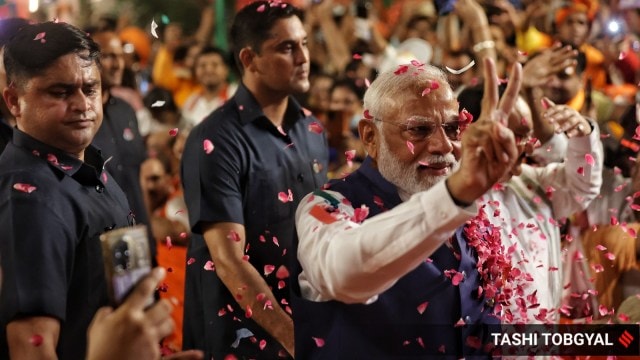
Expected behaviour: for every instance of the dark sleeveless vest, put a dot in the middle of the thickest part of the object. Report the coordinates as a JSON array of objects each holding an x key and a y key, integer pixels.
[{"x": 392, "y": 327}]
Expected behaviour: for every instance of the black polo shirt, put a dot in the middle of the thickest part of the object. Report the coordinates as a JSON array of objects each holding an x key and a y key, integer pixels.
[
  {"x": 252, "y": 165},
  {"x": 6, "y": 132},
  {"x": 53, "y": 208},
  {"x": 120, "y": 141}
]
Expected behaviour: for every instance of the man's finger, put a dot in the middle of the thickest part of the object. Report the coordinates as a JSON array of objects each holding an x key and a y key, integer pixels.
[
  {"x": 139, "y": 297},
  {"x": 490, "y": 97},
  {"x": 510, "y": 96}
]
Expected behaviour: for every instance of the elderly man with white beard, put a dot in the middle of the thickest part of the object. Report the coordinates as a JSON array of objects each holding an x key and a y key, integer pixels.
[{"x": 385, "y": 269}]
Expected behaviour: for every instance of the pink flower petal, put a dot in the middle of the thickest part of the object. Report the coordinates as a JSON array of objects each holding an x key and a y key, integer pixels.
[
  {"x": 275, "y": 241},
  {"x": 173, "y": 132},
  {"x": 367, "y": 115},
  {"x": 411, "y": 147},
  {"x": 262, "y": 344},
  {"x": 40, "y": 36},
  {"x": 268, "y": 269},
  {"x": 248, "y": 313},
  {"x": 457, "y": 278},
  {"x": 315, "y": 127},
  {"x": 459, "y": 323},
  {"x": 191, "y": 261},
  {"x": 580, "y": 170},
  {"x": 233, "y": 236},
  {"x": 167, "y": 242},
  {"x": 208, "y": 146},
  {"x": 36, "y": 339},
  {"x": 401, "y": 69},
  {"x": 284, "y": 197},
  {"x": 360, "y": 214},
  {"x": 350, "y": 154},
  {"x": 357, "y": 56},
  {"x": 282, "y": 272},
  {"x": 425, "y": 91},
  {"x": 319, "y": 341},
  {"x": 26, "y": 188},
  {"x": 610, "y": 256},
  {"x": 589, "y": 159},
  {"x": 209, "y": 266},
  {"x": 261, "y": 8},
  {"x": 422, "y": 307},
  {"x": 603, "y": 310},
  {"x": 600, "y": 247}
]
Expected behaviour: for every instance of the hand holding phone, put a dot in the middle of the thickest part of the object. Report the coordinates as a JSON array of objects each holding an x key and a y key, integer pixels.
[{"x": 127, "y": 259}]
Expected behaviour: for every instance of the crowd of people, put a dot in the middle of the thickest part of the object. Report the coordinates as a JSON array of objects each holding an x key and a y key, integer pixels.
[{"x": 349, "y": 180}]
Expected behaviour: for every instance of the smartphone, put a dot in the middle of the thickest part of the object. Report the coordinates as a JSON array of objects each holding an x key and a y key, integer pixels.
[
  {"x": 127, "y": 259},
  {"x": 444, "y": 7}
]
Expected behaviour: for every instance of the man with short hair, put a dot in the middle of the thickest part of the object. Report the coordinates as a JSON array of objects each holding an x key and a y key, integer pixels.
[
  {"x": 55, "y": 196},
  {"x": 211, "y": 71},
  {"x": 386, "y": 266},
  {"x": 244, "y": 170}
]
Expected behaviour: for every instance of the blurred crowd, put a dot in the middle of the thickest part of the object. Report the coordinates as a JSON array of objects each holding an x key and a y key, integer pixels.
[{"x": 162, "y": 82}]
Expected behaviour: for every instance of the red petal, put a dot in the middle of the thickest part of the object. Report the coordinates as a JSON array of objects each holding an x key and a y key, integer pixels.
[
  {"x": 319, "y": 341},
  {"x": 173, "y": 132},
  {"x": 24, "y": 187},
  {"x": 208, "y": 146}
]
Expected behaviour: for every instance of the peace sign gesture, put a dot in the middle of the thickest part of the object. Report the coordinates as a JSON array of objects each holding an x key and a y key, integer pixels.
[{"x": 488, "y": 149}]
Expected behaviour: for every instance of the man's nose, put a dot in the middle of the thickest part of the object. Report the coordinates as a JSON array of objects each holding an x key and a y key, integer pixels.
[{"x": 438, "y": 143}]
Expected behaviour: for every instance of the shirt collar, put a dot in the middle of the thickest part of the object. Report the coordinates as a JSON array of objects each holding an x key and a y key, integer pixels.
[
  {"x": 84, "y": 172},
  {"x": 250, "y": 110}
]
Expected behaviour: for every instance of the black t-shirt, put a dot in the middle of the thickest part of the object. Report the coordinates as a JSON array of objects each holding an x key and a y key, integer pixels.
[
  {"x": 238, "y": 167},
  {"x": 53, "y": 208}
]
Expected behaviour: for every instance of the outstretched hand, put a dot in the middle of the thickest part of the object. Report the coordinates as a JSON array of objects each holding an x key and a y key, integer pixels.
[{"x": 489, "y": 150}]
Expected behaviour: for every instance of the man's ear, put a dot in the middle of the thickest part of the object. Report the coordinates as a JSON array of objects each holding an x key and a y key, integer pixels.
[
  {"x": 10, "y": 95},
  {"x": 369, "y": 136},
  {"x": 246, "y": 56}
]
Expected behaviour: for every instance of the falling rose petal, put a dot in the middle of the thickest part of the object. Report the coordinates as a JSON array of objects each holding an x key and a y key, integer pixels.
[
  {"x": 262, "y": 238},
  {"x": 401, "y": 69},
  {"x": 422, "y": 307},
  {"x": 319, "y": 341},
  {"x": 435, "y": 85},
  {"x": 426, "y": 91},
  {"x": 441, "y": 349},
  {"x": 457, "y": 278},
  {"x": 209, "y": 266},
  {"x": 357, "y": 57},
  {"x": 261, "y": 8},
  {"x": 157, "y": 103},
  {"x": 360, "y": 214},
  {"x": 208, "y": 146},
  {"x": 275, "y": 241},
  {"x": 36, "y": 339},
  {"x": 240, "y": 107},
  {"x": 154, "y": 26},
  {"x": 350, "y": 154},
  {"x": 191, "y": 261},
  {"x": 284, "y": 197},
  {"x": 623, "y": 317},
  {"x": 635, "y": 207},
  {"x": 367, "y": 115},
  {"x": 233, "y": 236},
  {"x": 631, "y": 232},
  {"x": 622, "y": 55},
  {"x": 281, "y": 131},
  {"x": 183, "y": 235},
  {"x": 614, "y": 221},
  {"x": 620, "y": 187},
  {"x": 248, "y": 313},
  {"x": 263, "y": 344},
  {"x": 459, "y": 323},
  {"x": 281, "y": 284},
  {"x": 52, "y": 159},
  {"x": 173, "y": 132},
  {"x": 411, "y": 147},
  {"x": 367, "y": 83},
  {"x": 268, "y": 269},
  {"x": 40, "y": 36},
  {"x": 580, "y": 171},
  {"x": 610, "y": 256},
  {"x": 589, "y": 159},
  {"x": 315, "y": 127},
  {"x": 460, "y": 71},
  {"x": 306, "y": 112},
  {"x": 600, "y": 247},
  {"x": 282, "y": 272},
  {"x": 603, "y": 310},
  {"x": 245, "y": 258},
  {"x": 167, "y": 242},
  {"x": 420, "y": 342},
  {"x": 26, "y": 188}
]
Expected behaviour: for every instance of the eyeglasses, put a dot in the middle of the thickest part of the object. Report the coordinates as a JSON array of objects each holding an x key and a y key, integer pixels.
[{"x": 420, "y": 130}]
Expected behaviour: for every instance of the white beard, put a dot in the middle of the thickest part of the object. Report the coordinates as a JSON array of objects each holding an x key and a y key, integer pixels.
[{"x": 406, "y": 177}]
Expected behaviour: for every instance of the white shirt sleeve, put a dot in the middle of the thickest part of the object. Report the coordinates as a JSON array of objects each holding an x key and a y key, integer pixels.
[
  {"x": 352, "y": 262},
  {"x": 554, "y": 150},
  {"x": 575, "y": 182}
]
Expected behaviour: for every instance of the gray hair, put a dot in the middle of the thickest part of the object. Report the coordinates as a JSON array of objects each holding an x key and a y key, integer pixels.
[{"x": 388, "y": 91}]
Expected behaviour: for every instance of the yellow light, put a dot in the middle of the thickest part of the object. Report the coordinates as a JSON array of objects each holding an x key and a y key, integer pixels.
[{"x": 33, "y": 5}]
